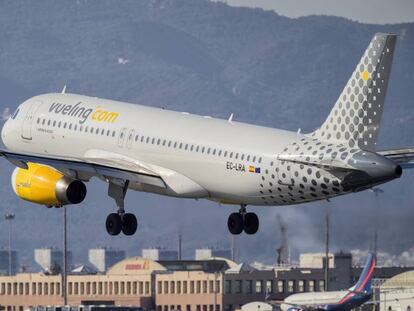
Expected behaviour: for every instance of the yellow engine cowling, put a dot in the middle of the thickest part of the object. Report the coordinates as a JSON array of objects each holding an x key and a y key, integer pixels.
[{"x": 44, "y": 185}]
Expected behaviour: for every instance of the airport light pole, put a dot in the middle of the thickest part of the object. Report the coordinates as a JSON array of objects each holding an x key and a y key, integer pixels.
[
  {"x": 327, "y": 250},
  {"x": 65, "y": 253},
  {"x": 10, "y": 217},
  {"x": 376, "y": 191}
]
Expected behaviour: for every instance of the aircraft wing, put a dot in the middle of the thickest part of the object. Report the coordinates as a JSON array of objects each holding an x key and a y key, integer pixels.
[
  {"x": 404, "y": 157},
  {"x": 93, "y": 165}
]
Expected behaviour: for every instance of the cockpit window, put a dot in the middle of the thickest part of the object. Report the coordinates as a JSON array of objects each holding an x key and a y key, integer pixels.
[{"x": 14, "y": 115}]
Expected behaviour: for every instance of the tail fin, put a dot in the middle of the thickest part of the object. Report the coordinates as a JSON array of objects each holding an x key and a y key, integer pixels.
[
  {"x": 364, "y": 282},
  {"x": 355, "y": 119}
]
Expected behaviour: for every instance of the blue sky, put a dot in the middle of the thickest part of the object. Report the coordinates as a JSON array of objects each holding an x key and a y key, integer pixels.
[{"x": 366, "y": 11}]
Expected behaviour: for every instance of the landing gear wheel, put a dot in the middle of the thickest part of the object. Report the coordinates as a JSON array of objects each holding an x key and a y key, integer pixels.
[
  {"x": 235, "y": 223},
  {"x": 113, "y": 224},
  {"x": 129, "y": 224},
  {"x": 251, "y": 223}
]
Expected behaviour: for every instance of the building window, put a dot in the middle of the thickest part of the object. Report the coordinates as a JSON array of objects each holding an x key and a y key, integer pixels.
[
  {"x": 198, "y": 287},
  {"x": 321, "y": 285},
  {"x": 185, "y": 287},
  {"x": 141, "y": 287},
  {"x": 259, "y": 287},
  {"x": 178, "y": 287},
  {"x": 269, "y": 286},
  {"x": 281, "y": 286},
  {"x": 166, "y": 287},
  {"x": 191, "y": 287},
  {"x": 291, "y": 286},
  {"x": 188, "y": 308},
  {"x": 218, "y": 287},
  {"x": 238, "y": 287},
  {"x": 172, "y": 287},
  {"x": 147, "y": 288},
  {"x": 205, "y": 287},
  {"x": 311, "y": 286},
  {"x": 227, "y": 289},
  {"x": 249, "y": 287},
  {"x": 211, "y": 287},
  {"x": 301, "y": 286}
]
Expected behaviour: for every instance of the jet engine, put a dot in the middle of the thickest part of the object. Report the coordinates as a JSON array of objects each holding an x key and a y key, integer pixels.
[{"x": 45, "y": 185}]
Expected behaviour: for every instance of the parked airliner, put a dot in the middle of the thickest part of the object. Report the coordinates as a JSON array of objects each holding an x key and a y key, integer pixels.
[
  {"x": 344, "y": 300},
  {"x": 60, "y": 141}
]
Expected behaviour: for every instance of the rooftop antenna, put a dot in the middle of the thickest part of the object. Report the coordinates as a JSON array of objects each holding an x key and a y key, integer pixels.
[
  {"x": 283, "y": 251},
  {"x": 179, "y": 245},
  {"x": 376, "y": 191}
]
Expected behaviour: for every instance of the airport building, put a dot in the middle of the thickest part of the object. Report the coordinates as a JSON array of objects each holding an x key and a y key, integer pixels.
[
  {"x": 397, "y": 293},
  {"x": 216, "y": 284}
]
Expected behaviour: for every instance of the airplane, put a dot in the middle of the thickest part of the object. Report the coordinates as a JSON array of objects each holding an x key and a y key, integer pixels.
[
  {"x": 59, "y": 141},
  {"x": 343, "y": 300}
]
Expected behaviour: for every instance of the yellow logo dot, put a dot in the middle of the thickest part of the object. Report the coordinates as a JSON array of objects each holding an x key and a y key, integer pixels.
[{"x": 365, "y": 75}]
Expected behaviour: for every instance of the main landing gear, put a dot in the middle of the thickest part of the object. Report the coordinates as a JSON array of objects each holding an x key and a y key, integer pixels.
[
  {"x": 120, "y": 221},
  {"x": 237, "y": 222}
]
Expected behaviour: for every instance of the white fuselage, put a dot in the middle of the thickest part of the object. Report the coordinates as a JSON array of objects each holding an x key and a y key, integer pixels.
[{"x": 222, "y": 160}]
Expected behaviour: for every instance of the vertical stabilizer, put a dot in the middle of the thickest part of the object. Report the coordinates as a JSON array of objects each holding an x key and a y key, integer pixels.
[
  {"x": 364, "y": 282},
  {"x": 355, "y": 119}
]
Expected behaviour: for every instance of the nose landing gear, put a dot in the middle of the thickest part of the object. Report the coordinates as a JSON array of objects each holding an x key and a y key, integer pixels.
[
  {"x": 237, "y": 222},
  {"x": 120, "y": 221}
]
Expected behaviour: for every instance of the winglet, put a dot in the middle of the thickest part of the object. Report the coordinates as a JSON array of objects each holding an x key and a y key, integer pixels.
[
  {"x": 231, "y": 118},
  {"x": 64, "y": 89}
]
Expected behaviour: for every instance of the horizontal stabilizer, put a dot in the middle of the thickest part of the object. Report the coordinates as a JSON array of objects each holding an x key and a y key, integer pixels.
[{"x": 403, "y": 157}]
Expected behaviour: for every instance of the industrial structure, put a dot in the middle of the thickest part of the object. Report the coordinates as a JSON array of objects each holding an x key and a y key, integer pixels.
[
  {"x": 158, "y": 253},
  {"x": 51, "y": 259},
  {"x": 102, "y": 258},
  {"x": 216, "y": 284},
  {"x": 210, "y": 252},
  {"x": 8, "y": 261}
]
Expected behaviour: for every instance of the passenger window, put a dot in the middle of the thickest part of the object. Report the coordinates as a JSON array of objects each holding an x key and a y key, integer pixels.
[
  {"x": 164, "y": 142},
  {"x": 70, "y": 126},
  {"x": 242, "y": 157},
  {"x": 91, "y": 130},
  {"x": 181, "y": 145},
  {"x": 113, "y": 133},
  {"x": 153, "y": 141},
  {"x": 44, "y": 121},
  {"x": 142, "y": 139},
  {"x": 254, "y": 159},
  {"x": 208, "y": 151},
  {"x": 198, "y": 147},
  {"x": 202, "y": 150},
  {"x": 81, "y": 128},
  {"x": 248, "y": 158},
  {"x": 260, "y": 160},
  {"x": 231, "y": 155},
  {"x": 64, "y": 125},
  {"x": 214, "y": 152},
  {"x": 219, "y": 153},
  {"x": 192, "y": 148},
  {"x": 108, "y": 132},
  {"x": 59, "y": 124},
  {"x": 136, "y": 138},
  {"x": 186, "y": 146},
  {"x": 75, "y": 127},
  {"x": 175, "y": 145},
  {"x": 225, "y": 153},
  {"x": 38, "y": 120},
  {"x": 169, "y": 143},
  {"x": 86, "y": 128},
  {"x": 102, "y": 132},
  {"x": 48, "y": 123},
  {"x": 237, "y": 156},
  {"x": 147, "y": 140}
]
